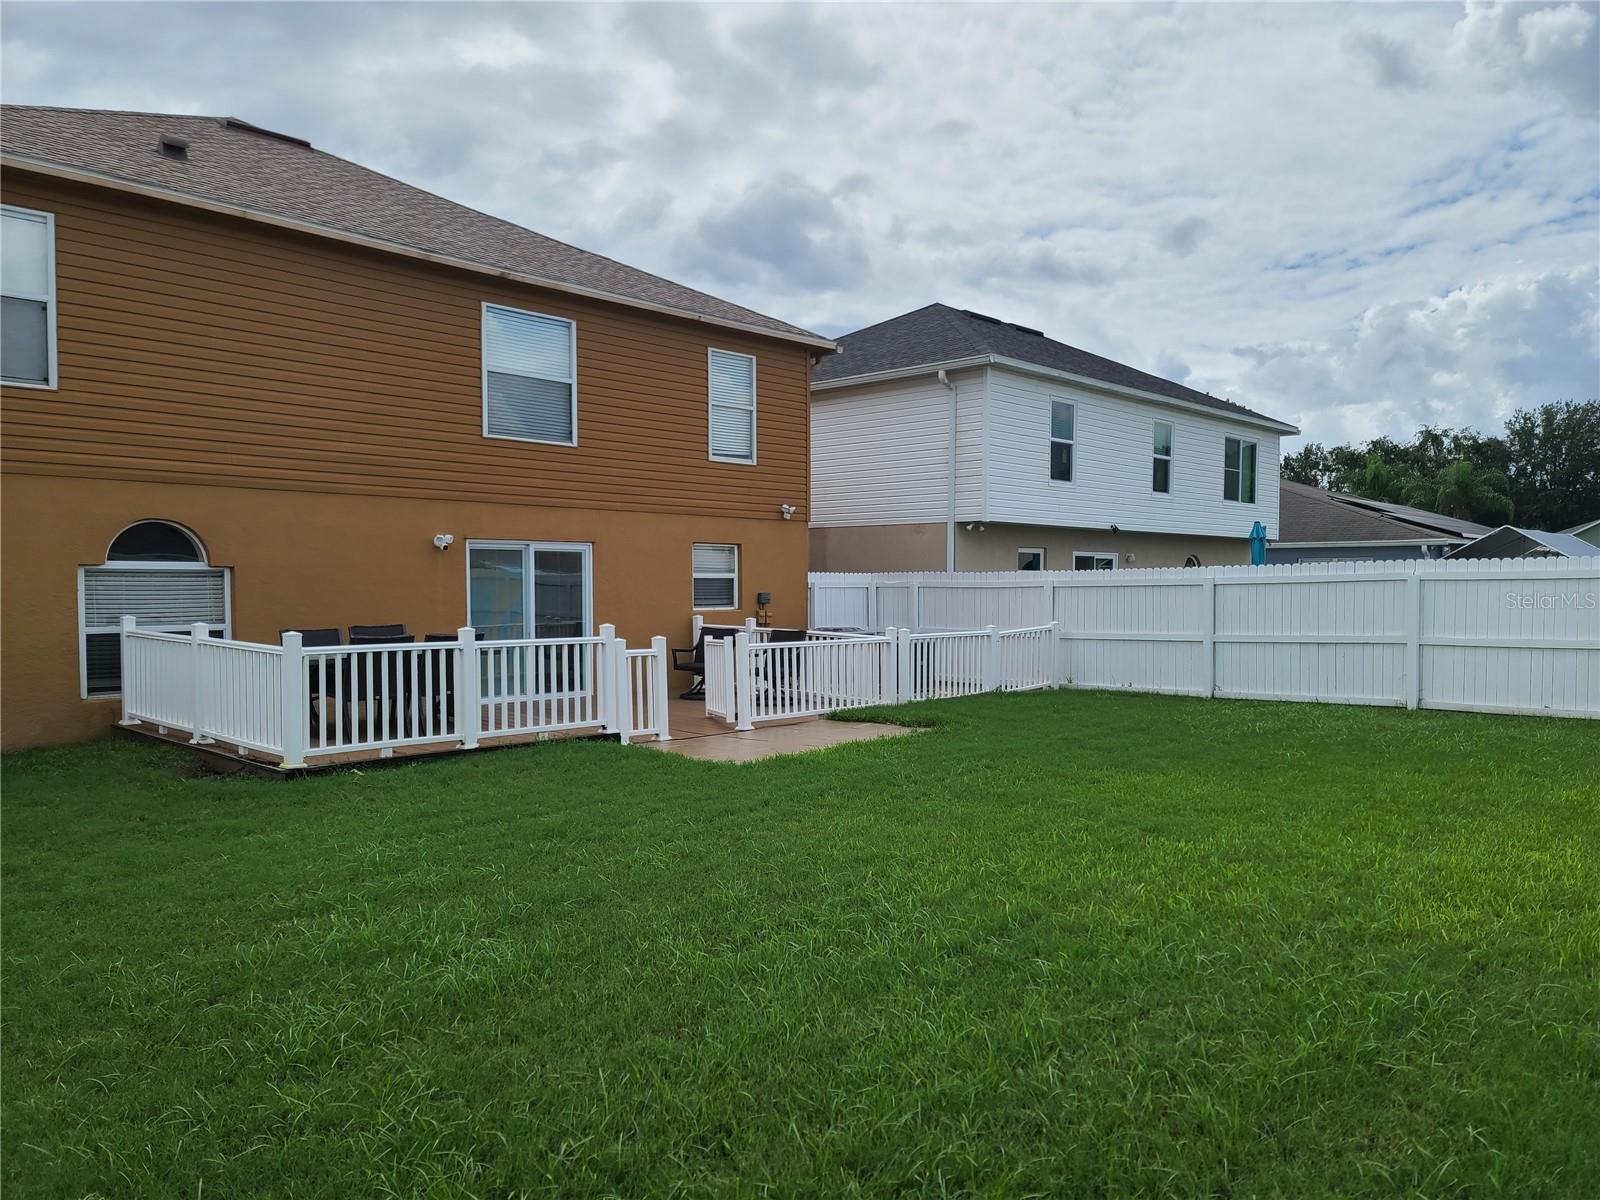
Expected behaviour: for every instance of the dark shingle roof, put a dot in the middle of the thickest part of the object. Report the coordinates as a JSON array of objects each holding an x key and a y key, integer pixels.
[
  {"x": 1309, "y": 514},
  {"x": 939, "y": 333},
  {"x": 234, "y": 163}
]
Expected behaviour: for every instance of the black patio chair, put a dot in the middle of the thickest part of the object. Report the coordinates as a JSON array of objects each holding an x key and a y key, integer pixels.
[
  {"x": 692, "y": 660},
  {"x": 387, "y": 694},
  {"x": 441, "y": 680},
  {"x": 319, "y": 684}
]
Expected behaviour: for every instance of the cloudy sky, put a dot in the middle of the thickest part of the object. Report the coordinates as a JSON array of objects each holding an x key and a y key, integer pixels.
[{"x": 1359, "y": 218}]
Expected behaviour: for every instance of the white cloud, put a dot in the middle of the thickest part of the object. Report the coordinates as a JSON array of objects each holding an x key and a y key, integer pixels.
[{"x": 1395, "y": 233}]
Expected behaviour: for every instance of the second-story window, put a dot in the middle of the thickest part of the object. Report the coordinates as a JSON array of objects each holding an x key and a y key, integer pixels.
[
  {"x": 1062, "y": 417},
  {"x": 1239, "y": 470},
  {"x": 28, "y": 284},
  {"x": 530, "y": 383},
  {"x": 733, "y": 406},
  {"x": 1161, "y": 471}
]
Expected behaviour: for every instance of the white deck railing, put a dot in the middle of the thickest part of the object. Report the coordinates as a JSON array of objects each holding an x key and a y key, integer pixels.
[
  {"x": 296, "y": 702},
  {"x": 749, "y": 681}
]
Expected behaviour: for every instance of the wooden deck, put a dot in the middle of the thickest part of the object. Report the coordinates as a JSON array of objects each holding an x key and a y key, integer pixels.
[{"x": 694, "y": 735}]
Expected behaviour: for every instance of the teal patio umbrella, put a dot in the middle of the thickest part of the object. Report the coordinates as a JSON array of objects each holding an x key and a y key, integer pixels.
[{"x": 1258, "y": 544}]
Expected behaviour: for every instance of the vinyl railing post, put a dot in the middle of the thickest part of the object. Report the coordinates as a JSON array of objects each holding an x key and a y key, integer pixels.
[
  {"x": 129, "y": 624},
  {"x": 198, "y": 632},
  {"x": 605, "y": 680},
  {"x": 469, "y": 707},
  {"x": 1052, "y": 648},
  {"x": 696, "y": 624},
  {"x": 743, "y": 683},
  {"x": 992, "y": 678},
  {"x": 905, "y": 670},
  {"x": 621, "y": 690},
  {"x": 294, "y": 700},
  {"x": 916, "y": 607},
  {"x": 1208, "y": 635},
  {"x": 658, "y": 687}
]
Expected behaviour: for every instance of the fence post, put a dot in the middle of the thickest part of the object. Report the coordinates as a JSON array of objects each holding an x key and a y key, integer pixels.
[
  {"x": 1052, "y": 652},
  {"x": 872, "y": 603},
  {"x": 905, "y": 668},
  {"x": 1208, "y": 633},
  {"x": 605, "y": 679},
  {"x": 658, "y": 688},
  {"x": 743, "y": 683},
  {"x": 294, "y": 699},
  {"x": 1413, "y": 671},
  {"x": 991, "y": 679},
  {"x": 129, "y": 624},
  {"x": 696, "y": 624},
  {"x": 469, "y": 706},
  {"x": 916, "y": 607},
  {"x": 198, "y": 632},
  {"x": 621, "y": 690}
]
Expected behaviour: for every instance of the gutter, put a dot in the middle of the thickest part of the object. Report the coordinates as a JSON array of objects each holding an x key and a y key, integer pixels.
[
  {"x": 1082, "y": 381},
  {"x": 77, "y": 175}
]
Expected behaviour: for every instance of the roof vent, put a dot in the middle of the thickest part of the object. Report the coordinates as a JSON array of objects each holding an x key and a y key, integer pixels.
[
  {"x": 173, "y": 146},
  {"x": 236, "y": 123},
  {"x": 982, "y": 317},
  {"x": 1025, "y": 329}
]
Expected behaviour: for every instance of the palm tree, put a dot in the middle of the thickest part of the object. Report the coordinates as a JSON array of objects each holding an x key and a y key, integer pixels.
[{"x": 1464, "y": 491}]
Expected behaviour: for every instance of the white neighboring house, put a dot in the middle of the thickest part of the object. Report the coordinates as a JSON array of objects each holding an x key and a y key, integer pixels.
[{"x": 947, "y": 440}]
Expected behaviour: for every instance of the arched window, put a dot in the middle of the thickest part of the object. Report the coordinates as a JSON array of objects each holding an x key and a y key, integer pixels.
[
  {"x": 1192, "y": 561},
  {"x": 155, "y": 541},
  {"x": 155, "y": 572}
]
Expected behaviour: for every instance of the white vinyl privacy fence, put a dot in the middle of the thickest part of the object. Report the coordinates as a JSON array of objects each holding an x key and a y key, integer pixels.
[
  {"x": 1490, "y": 635},
  {"x": 295, "y": 702}
]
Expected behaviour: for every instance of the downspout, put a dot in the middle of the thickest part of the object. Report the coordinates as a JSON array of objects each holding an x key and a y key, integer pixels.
[{"x": 950, "y": 509}]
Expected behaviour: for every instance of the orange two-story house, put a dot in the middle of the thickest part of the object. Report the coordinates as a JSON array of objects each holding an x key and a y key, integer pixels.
[{"x": 250, "y": 384}]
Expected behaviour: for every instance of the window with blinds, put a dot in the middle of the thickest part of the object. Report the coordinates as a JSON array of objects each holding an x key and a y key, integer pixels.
[
  {"x": 733, "y": 406},
  {"x": 156, "y": 573},
  {"x": 716, "y": 576},
  {"x": 27, "y": 297},
  {"x": 530, "y": 385}
]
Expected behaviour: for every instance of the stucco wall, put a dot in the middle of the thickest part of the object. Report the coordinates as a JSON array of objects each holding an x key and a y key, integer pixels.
[
  {"x": 878, "y": 548},
  {"x": 314, "y": 560},
  {"x": 995, "y": 547}
]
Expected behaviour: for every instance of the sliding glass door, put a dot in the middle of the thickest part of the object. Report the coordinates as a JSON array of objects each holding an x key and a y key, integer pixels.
[{"x": 529, "y": 589}]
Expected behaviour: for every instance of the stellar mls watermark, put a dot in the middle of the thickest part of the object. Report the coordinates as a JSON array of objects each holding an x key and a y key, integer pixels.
[{"x": 1574, "y": 601}]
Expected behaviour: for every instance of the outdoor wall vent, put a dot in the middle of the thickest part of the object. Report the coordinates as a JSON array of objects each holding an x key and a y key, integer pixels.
[{"x": 173, "y": 146}]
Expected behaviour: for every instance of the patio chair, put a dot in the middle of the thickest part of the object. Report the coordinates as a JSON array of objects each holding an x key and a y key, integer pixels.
[
  {"x": 390, "y": 684},
  {"x": 776, "y": 637},
  {"x": 441, "y": 677},
  {"x": 320, "y": 684},
  {"x": 692, "y": 660}
]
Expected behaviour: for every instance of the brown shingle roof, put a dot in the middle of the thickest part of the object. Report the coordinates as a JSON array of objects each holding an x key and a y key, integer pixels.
[
  {"x": 234, "y": 163},
  {"x": 1309, "y": 514}
]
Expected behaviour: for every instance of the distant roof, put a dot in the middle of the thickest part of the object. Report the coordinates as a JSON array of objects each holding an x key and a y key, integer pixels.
[
  {"x": 940, "y": 334},
  {"x": 235, "y": 163},
  {"x": 1310, "y": 514},
  {"x": 1512, "y": 541}
]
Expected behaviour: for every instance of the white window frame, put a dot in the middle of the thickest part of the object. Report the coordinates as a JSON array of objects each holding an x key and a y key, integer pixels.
[
  {"x": 734, "y": 575},
  {"x": 528, "y": 550},
  {"x": 48, "y": 299},
  {"x": 1172, "y": 450},
  {"x": 1116, "y": 559},
  {"x": 1255, "y": 460},
  {"x": 1039, "y": 550},
  {"x": 483, "y": 374},
  {"x": 84, "y": 631},
  {"x": 711, "y": 450},
  {"x": 1071, "y": 441}
]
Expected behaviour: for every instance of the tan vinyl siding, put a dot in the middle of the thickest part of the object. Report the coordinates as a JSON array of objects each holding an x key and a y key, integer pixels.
[{"x": 204, "y": 349}]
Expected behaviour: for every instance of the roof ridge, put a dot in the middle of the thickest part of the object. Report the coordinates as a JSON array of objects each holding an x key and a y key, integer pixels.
[{"x": 112, "y": 112}]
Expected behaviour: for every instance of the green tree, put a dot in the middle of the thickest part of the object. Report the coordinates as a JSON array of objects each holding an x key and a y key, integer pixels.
[
  {"x": 1465, "y": 491},
  {"x": 1555, "y": 464}
]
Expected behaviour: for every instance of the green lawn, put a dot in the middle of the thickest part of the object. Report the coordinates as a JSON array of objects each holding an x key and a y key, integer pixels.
[{"x": 1069, "y": 944}]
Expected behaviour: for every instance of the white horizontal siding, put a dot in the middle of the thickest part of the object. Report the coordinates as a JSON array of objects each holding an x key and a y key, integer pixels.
[
  {"x": 880, "y": 454},
  {"x": 1112, "y": 455}
]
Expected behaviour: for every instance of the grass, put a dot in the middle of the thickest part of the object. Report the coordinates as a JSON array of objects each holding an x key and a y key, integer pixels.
[{"x": 1069, "y": 944}]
